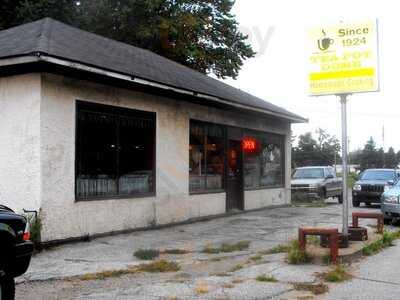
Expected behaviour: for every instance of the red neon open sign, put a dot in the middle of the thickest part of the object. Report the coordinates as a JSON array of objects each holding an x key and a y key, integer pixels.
[{"x": 249, "y": 144}]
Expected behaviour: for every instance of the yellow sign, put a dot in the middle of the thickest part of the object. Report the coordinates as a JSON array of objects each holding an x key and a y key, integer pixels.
[{"x": 344, "y": 59}]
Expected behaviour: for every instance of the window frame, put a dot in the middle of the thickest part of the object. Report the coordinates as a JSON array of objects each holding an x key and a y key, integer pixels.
[
  {"x": 210, "y": 191},
  {"x": 118, "y": 111},
  {"x": 261, "y": 136}
]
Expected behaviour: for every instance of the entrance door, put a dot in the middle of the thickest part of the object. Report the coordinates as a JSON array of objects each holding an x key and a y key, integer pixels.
[{"x": 234, "y": 181}]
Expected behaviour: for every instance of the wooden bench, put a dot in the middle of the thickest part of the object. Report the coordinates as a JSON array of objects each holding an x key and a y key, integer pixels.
[
  {"x": 332, "y": 233},
  {"x": 368, "y": 215}
]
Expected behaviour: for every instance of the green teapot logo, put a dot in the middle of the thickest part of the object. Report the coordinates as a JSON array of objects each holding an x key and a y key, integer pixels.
[{"x": 325, "y": 42}]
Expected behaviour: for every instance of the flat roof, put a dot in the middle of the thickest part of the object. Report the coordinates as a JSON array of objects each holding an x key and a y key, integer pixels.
[{"x": 54, "y": 42}]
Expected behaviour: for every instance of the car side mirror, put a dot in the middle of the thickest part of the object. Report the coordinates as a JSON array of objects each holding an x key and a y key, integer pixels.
[
  {"x": 391, "y": 182},
  {"x": 330, "y": 176}
]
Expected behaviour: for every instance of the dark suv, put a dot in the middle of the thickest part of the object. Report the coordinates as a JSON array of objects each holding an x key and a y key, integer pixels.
[
  {"x": 371, "y": 184},
  {"x": 15, "y": 250}
]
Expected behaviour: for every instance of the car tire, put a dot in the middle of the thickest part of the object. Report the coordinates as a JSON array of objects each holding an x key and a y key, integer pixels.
[
  {"x": 356, "y": 203},
  {"x": 340, "y": 199},
  {"x": 7, "y": 288}
]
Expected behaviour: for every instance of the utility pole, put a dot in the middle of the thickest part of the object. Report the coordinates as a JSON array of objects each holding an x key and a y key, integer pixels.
[{"x": 345, "y": 213}]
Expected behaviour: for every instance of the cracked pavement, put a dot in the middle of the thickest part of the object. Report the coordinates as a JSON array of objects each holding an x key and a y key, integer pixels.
[{"x": 206, "y": 276}]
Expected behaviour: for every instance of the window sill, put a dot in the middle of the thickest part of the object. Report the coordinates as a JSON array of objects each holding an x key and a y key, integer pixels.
[
  {"x": 106, "y": 198},
  {"x": 264, "y": 188},
  {"x": 206, "y": 192}
]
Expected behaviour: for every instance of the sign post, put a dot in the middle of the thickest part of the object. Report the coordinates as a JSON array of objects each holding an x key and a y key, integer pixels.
[
  {"x": 345, "y": 208},
  {"x": 343, "y": 61}
]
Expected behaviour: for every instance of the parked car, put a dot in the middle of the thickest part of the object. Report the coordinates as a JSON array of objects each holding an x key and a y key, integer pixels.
[
  {"x": 371, "y": 184},
  {"x": 317, "y": 182},
  {"x": 15, "y": 250},
  {"x": 390, "y": 203}
]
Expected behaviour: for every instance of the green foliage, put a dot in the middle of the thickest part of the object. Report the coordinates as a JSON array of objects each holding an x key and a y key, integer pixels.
[
  {"x": 159, "y": 266},
  {"x": 35, "y": 228},
  {"x": 295, "y": 255},
  {"x": 386, "y": 241},
  {"x": 282, "y": 248},
  {"x": 201, "y": 34},
  {"x": 323, "y": 150},
  {"x": 175, "y": 251},
  {"x": 147, "y": 254},
  {"x": 338, "y": 274},
  {"x": 265, "y": 278},
  {"x": 316, "y": 289},
  {"x": 372, "y": 157},
  {"x": 239, "y": 246}
]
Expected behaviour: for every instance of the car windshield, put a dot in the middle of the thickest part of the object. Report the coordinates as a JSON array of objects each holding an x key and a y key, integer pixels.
[
  {"x": 377, "y": 175},
  {"x": 309, "y": 173}
]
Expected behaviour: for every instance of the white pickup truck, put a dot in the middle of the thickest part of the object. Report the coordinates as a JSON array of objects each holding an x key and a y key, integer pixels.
[{"x": 317, "y": 182}]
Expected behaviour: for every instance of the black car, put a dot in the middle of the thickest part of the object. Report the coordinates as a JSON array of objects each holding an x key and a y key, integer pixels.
[
  {"x": 371, "y": 184},
  {"x": 15, "y": 250}
]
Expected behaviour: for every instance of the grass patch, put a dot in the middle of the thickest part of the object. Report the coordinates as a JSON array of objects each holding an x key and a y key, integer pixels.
[
  {"x": 282, "y": 248},
  {"x": 326, "y": 259},
  {"x": 236, "y": 281},
  {"x": 295, "y": 255},
  {"x": 106, "y": 274},
  {"x": 338, "y": 274},
  {"x": 313, "y": 240},
  {"x": 387, "y": 240},
  {"x": 175, "y": 251},
  {"x": 159, "y": 266},
  {"x": 224, "y": 248},
  {"x": 265, "y": 278},
  {"x": 236, "y": 268},
  {"x": 257, "y": 257},
  {"x": 315, "y": 288},
  {"x": 147, "y": 254},
  {"x": 35, "y": 228}
]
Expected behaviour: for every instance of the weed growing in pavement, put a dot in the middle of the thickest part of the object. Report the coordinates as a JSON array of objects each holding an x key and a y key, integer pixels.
[
  {"x": 239, "y": 246},
  {"x": 236, "y": 268},
  {"x": 387, "y": 240},
  {"x": 338, "y": 274},
  {"x": 147, "y": 254},
  {"x": 257, "y": 257},
  {"x": 105, "y": 274},
  {"x": 282, "y": 248},
  {"x": 315, "y": 288},
  {"x": 265, "y": 278},
  {"x": 295, "y": 255},
  {"x": 159, "y": 266},
  {"x": 175, "y": 251}
]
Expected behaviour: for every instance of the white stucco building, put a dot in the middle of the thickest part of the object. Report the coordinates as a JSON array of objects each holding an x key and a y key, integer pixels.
[{"x": 104, "y": 137}]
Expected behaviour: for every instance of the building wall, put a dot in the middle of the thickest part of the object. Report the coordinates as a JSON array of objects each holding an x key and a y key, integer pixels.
[
  {"x": 63, "y": 217},
  {"x": 20, "y": 142}
]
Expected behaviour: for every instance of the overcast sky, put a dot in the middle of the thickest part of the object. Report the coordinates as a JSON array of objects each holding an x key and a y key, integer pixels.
[{"x": 278, "y": 31}]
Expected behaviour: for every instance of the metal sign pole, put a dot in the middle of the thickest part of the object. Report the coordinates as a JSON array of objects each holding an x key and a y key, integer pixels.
[{"x": 345, "y": 230}]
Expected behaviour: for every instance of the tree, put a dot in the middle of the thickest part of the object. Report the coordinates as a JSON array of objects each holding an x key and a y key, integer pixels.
[
  {"x": 201, "y": 34},
  {"x": 391, "y": 160},
  {"x": 369, "y": 156},
  {"x": 321, "y": 151}
]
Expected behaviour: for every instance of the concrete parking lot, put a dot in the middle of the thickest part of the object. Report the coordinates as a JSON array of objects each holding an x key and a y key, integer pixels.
[{"x": 202, "y": 276}]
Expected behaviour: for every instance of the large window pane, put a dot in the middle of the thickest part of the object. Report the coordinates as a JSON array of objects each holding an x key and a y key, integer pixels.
[
  {"x": 115, "y": 152},
  {"x": 263, "y": 166},
  {"x": 136, "y": 145},
  {"x": 206, "y": 157}
]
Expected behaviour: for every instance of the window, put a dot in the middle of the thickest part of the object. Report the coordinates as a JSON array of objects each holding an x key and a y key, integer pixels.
[
  {"x": 115, "y": 152},
  {"x": 207, "y": 157},
  {"x": 264, "y": 161}
]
